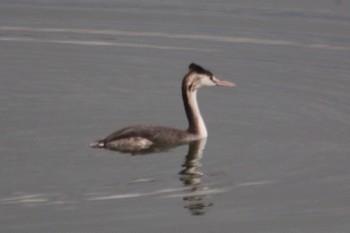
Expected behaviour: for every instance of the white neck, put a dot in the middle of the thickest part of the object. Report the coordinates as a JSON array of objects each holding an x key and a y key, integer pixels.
[{"x": 195, "y": 120}]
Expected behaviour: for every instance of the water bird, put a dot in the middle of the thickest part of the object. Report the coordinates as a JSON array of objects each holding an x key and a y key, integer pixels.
[{"x": 147, "y": 137}]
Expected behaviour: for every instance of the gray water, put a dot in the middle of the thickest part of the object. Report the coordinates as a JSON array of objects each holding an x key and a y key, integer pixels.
[{"x": 277, "y": 155}]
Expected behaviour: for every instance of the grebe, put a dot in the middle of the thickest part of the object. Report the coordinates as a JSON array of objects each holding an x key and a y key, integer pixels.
[{"x": 143, "y": 137}]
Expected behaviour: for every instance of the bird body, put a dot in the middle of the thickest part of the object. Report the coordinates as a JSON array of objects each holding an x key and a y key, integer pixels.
[{"x": 144, "y": 137}]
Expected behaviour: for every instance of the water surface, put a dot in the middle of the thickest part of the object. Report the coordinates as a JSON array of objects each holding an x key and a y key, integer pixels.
[{"x": 277, "y": 156}]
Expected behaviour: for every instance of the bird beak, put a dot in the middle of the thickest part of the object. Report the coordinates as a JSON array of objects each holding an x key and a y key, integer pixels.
[{"x": 223, "y": 83}]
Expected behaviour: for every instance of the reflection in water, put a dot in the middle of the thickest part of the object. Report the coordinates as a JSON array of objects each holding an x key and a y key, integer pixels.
[
  {"x": 191, "y": 177},
  {"x": 198, "y": 196}
]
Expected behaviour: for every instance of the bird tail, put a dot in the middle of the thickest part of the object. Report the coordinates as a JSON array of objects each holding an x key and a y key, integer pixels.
[{"x": 97, "y": 144}]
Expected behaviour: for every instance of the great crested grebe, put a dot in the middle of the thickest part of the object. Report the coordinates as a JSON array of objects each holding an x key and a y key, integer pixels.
[{"x": 143, "y": 137}]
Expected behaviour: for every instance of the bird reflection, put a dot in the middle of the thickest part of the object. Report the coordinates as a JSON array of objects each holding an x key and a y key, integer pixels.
[{"x": 197, "y": 198}]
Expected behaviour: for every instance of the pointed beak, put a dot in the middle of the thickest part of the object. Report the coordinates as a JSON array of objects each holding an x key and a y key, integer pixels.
[{"x": 223, "y": 83}]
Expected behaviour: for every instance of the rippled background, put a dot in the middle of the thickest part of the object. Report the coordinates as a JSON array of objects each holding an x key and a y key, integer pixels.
[{"x": 277, "y": 155}]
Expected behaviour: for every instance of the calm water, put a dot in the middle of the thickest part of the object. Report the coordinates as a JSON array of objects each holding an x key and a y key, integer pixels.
[{"x": 277, "y": 156}]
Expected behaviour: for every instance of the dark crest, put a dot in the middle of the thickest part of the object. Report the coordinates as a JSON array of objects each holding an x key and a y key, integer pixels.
[{"x": 198, "y": 69}]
